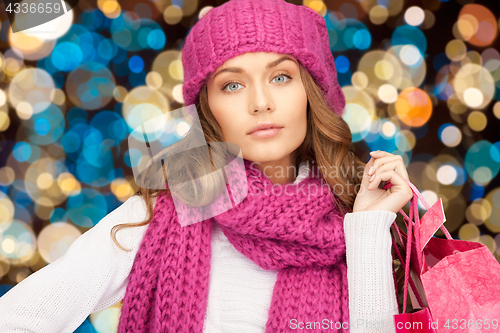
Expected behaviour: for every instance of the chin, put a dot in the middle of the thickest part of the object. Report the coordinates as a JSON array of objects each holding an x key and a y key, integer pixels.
[{"x": 268, "y": 154}]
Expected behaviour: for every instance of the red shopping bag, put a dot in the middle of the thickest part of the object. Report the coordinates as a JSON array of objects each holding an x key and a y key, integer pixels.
[{"x": 457, "y": 281}]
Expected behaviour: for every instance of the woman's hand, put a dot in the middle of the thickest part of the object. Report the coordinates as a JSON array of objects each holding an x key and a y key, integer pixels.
[{"x": 386, "y": 167}]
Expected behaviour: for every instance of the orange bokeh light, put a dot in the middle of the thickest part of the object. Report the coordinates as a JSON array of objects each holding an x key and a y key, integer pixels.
[
  {"x": 477, "y": 24},
  {"x": 414, "y": 107}
]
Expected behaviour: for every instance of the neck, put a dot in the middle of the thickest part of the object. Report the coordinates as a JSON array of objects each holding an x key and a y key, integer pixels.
[{"x": 282, "y": 171}]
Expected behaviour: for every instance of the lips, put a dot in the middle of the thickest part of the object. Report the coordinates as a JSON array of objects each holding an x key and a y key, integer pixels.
[{"x": 264, "y": 126}]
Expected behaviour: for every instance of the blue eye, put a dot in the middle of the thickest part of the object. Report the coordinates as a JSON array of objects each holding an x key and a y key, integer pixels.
[
  {"x": 283, "y": 75},
  {"x": 231, "y": 84}
]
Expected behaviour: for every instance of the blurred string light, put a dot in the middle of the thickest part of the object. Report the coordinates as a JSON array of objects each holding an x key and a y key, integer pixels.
[{"x": 77, "y": 86}]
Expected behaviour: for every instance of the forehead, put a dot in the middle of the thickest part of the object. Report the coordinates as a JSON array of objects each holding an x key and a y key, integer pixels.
[{"x": 254, "y": 60}]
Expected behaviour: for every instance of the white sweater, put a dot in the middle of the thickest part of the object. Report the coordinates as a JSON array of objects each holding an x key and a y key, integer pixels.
[{"x": 93, "y": 275}]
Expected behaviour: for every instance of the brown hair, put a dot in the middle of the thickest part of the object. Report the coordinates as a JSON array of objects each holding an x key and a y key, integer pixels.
[{"x": 327, "y": 145}]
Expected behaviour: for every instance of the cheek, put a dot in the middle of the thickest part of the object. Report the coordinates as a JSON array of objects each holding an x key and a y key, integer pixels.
[
  {"x": 229, "y": 124},
  {"x": 296, "y": 103},
  {"x": 217, "y": 109}
]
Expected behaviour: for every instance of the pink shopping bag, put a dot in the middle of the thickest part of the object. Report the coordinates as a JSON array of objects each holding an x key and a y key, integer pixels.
[{"x": 457, "y": 281}]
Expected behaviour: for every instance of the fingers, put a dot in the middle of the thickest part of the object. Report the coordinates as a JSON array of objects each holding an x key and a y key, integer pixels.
[
  {"x": 398, "y": 182},
  {"x": 389, "y": 162},
  {"x": 366, "y": 177},
  {"x": 397, "y": 166}
]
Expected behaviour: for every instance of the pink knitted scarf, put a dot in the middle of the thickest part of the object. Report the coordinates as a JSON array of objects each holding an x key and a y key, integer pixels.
[{"x": 296, "y": 228}]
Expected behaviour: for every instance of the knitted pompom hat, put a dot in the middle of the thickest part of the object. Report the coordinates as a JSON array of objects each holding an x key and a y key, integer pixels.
[{"x": 240, "y": 26}]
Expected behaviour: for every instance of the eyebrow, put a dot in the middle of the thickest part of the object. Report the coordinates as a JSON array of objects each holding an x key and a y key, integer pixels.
[{"x": 241, "y": 70}]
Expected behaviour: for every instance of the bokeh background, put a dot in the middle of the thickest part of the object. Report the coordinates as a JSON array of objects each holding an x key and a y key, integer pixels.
[{"x": 421, "y": 80}]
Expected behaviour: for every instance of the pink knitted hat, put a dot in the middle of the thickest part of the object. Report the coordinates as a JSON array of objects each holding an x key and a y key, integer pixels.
[{"x": 240, "y": 26}]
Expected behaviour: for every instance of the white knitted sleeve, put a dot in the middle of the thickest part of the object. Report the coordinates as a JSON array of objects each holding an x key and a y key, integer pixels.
[
  {"x": 372, "y": 295},
  {"x": 91, "y": 276}
]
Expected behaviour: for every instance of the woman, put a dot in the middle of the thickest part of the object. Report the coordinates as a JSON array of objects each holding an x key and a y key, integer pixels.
[{"x": 278, "y": 261}]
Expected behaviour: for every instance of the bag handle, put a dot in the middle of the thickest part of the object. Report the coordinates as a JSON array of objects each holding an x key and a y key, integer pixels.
[
  {"x": 409, "y": 237},
  {"x": 388, "y": 184},
  {"x": 410, "y": 280},
  {"x": 427, "y": 206},
  {"x": 408, "y": 252}
]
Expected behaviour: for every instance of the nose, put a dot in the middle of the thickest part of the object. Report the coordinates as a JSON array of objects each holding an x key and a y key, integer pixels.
[{"x": 261, "y": 99}]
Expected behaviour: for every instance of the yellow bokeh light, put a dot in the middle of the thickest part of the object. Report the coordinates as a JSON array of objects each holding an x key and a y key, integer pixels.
[
  {"x": 24, "y": 42},
  {"x": 388, "y": 129},
  {"x": 384, "y": 70},
  {"x": 110, "y": 8},
  {"x": 3, "y": 97},
  {"x": 4, "y": 121},
  {"x": 388, "y": 93},
  {"x": 154, "y": 80},
  {"x": 478, "y": 211},
  {"x": 12, "y": 66},
  {"x": 381, "y": 67},
  {"x": 496, "y": 110},
  {"x": 379, "y": 15},
  {"x": 473, "y": 97},
  {"x": 446, "y": 174},
  {"x": 467, "y": 26},
  {"x": 469, "y": 232},
  {"x": 488, "y": 241},
  {"x": 204, "y": 11},
  {"x": 429, "y": 20},
  {"x": 456, "y": 50},
  {"x": 24, "y": 110},
  {"x": 477, "y": 121},
  {"x": 172, "y": 14},
  {"x": 474, "y": 86},
  {"x": 7, "y": 176},
  {"x": 316, "y": 5},
  {"x": 359, "y": 80},
  {"x": 122, "y": 189},
  {"x": 6, "y": 210},
  {"x": 169, "y": 65},
  {"x": 119, "y": 93},
  {"x": 8, "y": 245},
  {"x": 143, "y": 104},
  {"x": 44, "y": 181},
  {"x": 177, "y": 93},
  {"x": 68, "y": 184},
  {"x": 57, "y": 96},
  {"x": 176, "y": 70}
]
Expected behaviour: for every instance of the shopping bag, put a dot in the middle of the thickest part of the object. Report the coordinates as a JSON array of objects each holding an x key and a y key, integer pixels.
[{"x": 457, "y": 281}]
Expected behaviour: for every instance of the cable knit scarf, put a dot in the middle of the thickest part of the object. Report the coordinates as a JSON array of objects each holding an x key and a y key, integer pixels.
[{"x": 295, "y": 228}]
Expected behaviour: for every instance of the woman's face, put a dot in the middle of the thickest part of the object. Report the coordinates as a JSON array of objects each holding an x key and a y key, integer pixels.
[{"x": 260, "y": 87}]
